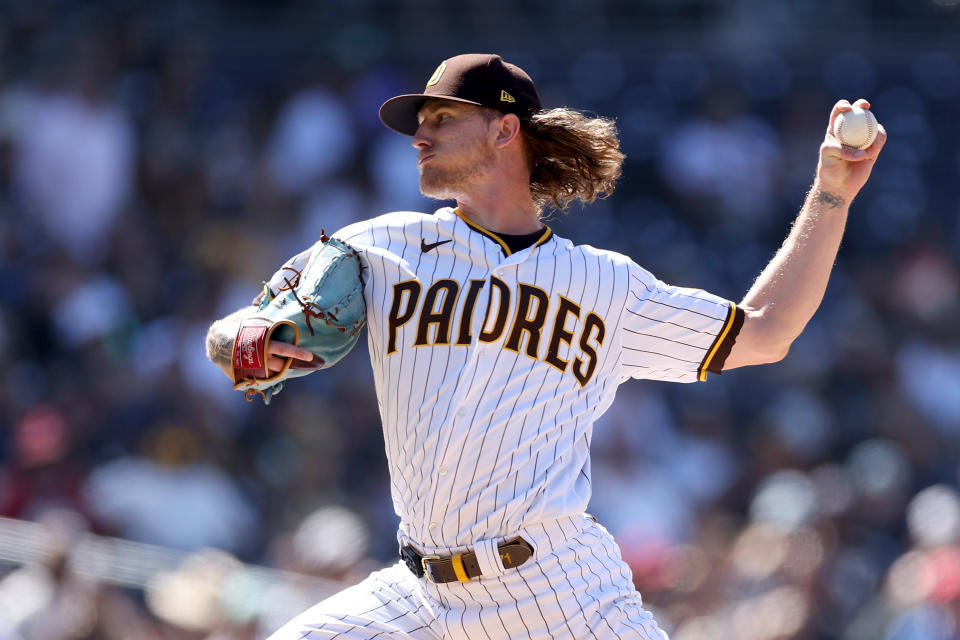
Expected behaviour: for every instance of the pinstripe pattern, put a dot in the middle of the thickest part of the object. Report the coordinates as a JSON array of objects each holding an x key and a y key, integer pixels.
[
  {"x": 668, "y": 331},
  {"x": 483, "y": 439},
  {"x": 488, "y": 418},
  {"x": 576, "y": 587},
  {"x": 388, "y": 604}
]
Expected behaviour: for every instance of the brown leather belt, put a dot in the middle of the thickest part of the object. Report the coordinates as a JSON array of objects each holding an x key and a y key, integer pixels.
[{"x": 463, "y": 566}]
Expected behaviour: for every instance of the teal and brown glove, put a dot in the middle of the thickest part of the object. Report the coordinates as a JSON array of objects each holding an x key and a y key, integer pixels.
[{"x": 320, "y": 308}]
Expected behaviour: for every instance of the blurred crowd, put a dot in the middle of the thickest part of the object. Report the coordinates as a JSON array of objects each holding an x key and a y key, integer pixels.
[{"x": 159, "y": 160}]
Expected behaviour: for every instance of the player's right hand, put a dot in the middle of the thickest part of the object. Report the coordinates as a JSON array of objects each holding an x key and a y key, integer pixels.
[{"x": 843, "y": 171}]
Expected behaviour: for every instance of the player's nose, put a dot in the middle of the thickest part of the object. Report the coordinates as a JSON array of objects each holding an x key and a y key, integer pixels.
[{"x": 420, "y": 139}]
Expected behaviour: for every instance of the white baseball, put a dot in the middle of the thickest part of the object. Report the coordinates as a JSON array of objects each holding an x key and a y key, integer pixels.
[{"x": 856, "y": 128}]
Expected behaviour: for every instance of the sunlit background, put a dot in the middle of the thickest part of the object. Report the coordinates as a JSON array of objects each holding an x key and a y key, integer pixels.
[{"x": 158, "y": 160}]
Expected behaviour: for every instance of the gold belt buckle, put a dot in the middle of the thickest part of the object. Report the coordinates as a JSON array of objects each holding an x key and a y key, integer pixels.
[{"x": 426, "y": 567}]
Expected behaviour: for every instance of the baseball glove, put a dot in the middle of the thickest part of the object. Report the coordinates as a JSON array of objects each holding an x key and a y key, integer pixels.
[{"x": 320, "y": 308}]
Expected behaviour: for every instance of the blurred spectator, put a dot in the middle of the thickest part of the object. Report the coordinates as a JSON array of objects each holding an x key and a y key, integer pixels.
[
  {"x": 313, "y": 137},
  {"x": 723, "y": 163},
  {"x": 170, "y": 496},
  {"x": 41, "y": 475},
  {"x": 332, "y": 542},
  {"x": 74, "y": 153},
  {"x": 930, "y": 375},
  {"x": 190, "y": 596},
  {"x": 49, "y": 601}
]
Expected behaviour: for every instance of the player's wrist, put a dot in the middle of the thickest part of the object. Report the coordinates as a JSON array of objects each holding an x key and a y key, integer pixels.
[{"x": 824, "y": 194}]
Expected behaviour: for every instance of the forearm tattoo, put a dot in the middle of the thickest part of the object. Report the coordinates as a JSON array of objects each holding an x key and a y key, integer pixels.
[{"x": 830, "y": 200}]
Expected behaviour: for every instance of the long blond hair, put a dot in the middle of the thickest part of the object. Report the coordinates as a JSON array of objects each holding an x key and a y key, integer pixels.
[{"x": 572, "y": 157}]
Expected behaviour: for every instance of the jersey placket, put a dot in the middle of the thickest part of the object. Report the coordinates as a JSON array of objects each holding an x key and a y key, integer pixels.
[{"x": 445, "y": 498}]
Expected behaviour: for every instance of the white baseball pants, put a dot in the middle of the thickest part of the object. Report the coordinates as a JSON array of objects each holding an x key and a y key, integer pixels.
[{"x": 576, "y": 586}]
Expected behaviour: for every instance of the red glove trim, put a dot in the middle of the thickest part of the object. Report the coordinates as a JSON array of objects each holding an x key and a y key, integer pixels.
[{"x": 250, "y": 366}]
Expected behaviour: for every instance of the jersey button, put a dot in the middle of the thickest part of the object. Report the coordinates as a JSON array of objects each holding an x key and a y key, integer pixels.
[
  {"x": 462, "y": 412},
  {"x": 442, "y": 470},
  {"x": 433, "y": 526}
]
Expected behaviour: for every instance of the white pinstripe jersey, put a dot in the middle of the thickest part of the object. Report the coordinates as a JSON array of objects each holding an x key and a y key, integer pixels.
[{"x": 492, "y": 367}]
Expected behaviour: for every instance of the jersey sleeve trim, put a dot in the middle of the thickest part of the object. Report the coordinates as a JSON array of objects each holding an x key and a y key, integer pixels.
[{"x": 721, "y": 347}]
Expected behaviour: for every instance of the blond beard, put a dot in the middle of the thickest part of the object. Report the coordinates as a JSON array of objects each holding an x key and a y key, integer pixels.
[{"x": 446, "y": 183}]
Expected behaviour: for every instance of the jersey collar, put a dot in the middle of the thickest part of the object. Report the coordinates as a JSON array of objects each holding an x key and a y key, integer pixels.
[{"x": 547, "y": 233}]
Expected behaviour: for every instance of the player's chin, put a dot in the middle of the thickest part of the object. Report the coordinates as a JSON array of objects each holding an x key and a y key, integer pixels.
[{"x": 433, "y": 187}]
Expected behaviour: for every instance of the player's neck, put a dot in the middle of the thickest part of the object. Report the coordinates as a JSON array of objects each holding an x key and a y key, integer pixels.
[{"x": 499, "y": 214}]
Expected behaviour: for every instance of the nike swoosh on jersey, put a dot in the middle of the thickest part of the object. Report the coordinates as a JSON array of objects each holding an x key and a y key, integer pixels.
[{"x": 433, "y": 245}]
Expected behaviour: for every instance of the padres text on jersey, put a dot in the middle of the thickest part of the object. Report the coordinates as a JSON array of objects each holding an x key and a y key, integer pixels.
[{"x": 491, "y": 366}]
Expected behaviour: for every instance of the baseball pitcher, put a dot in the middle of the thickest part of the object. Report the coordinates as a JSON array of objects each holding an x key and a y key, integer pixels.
[{"x": 496, "y": 344}]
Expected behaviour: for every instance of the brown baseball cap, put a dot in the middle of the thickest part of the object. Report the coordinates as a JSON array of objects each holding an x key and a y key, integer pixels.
[{"x": 482, "y": 79}]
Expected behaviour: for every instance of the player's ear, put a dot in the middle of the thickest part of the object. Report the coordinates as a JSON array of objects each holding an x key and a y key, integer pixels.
[{"x": 508, "y": 130}]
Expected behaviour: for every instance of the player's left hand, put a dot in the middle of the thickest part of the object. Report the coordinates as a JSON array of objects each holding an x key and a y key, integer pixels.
[
  {"x": 842, "y": 170},
  {"x": 278, "y": 352}
]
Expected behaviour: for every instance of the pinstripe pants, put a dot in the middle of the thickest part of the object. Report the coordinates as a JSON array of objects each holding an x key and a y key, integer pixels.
[{"x": 576, "y": 586}]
